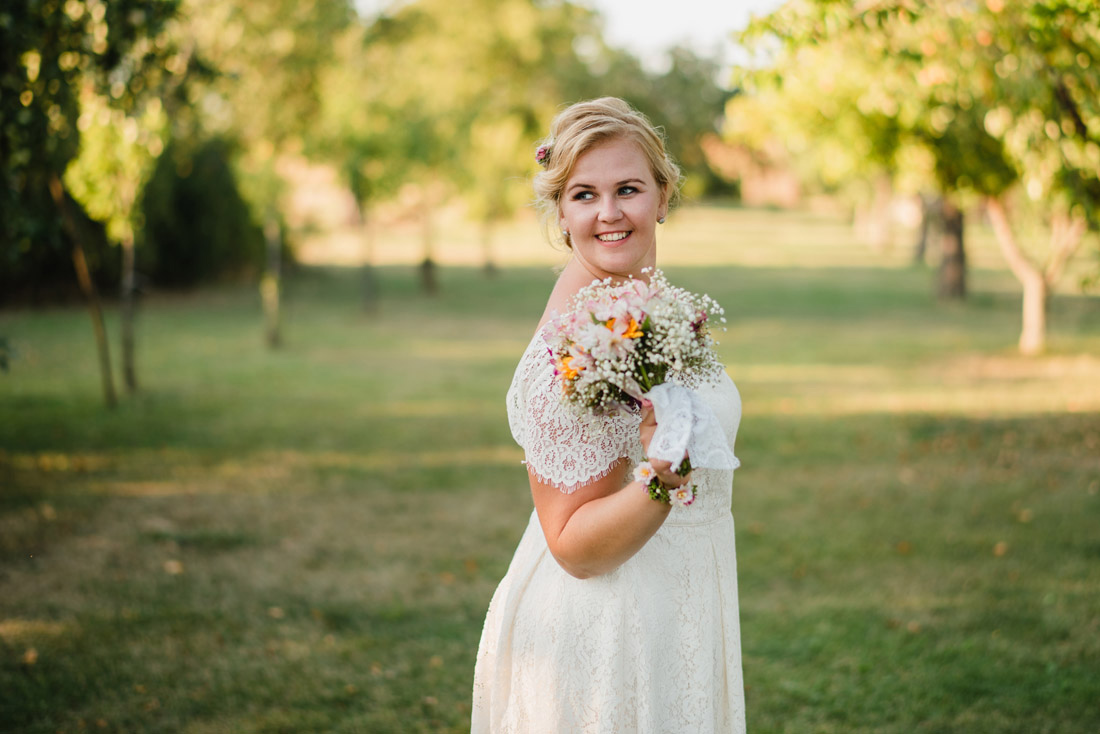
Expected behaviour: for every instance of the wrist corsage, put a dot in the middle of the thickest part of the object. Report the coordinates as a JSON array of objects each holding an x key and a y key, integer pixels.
[{"x": 683, "y": 495}]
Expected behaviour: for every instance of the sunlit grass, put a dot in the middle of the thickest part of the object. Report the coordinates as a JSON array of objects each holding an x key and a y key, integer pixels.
[
  {"x": 306, "y": 540},
  {"x": 695, "y": 235}
]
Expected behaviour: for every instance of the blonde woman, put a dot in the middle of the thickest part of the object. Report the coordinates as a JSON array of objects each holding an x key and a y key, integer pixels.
[{"x": 618, "y": 613}]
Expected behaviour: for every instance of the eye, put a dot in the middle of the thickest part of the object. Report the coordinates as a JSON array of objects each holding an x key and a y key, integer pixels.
[
  {"x": 583, "y": 196},
  {"x": 627, "y": 190}
]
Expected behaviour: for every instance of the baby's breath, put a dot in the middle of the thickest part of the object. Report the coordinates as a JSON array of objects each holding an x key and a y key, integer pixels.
[{"x": 619, "y": 341}]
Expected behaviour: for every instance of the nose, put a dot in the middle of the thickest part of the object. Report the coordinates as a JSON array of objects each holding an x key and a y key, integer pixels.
[{"x": 609, "y": 209}]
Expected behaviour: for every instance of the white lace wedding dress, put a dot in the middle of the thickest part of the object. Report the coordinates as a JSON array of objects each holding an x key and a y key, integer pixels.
[{"x": 651, "y": 647}]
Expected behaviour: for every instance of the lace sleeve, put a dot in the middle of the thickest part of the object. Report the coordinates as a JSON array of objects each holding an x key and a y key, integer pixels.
[{"x": 562, "y": 448}]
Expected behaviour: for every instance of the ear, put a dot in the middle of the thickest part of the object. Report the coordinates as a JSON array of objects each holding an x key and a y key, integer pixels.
[{"x": 662, "y": 207}]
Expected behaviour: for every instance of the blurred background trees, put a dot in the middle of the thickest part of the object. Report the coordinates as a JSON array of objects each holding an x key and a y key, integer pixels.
[
  {"x": 992, "y": 104},
  {"x": 173, "y": 131},
  {"x": 184, "y": 122},
  {"x": 69, "y": 68}
]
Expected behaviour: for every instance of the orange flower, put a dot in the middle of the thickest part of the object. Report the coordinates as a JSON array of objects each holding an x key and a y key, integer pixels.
[
  {"x": 632, "y": 332},
  {"x": 566, "y": 371}
]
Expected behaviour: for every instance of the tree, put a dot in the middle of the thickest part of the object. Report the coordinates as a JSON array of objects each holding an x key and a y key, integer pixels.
[
  {"x": 49, "y": 52},
  {"x": 426, "y": 104},
  {"x": 269, "y": 58},
  {"x": 998, "y": 94},
  {"x": 845, "y": 115},
  {"x": 117, "y": 155},
  {"x": 1044, "y": 106}
]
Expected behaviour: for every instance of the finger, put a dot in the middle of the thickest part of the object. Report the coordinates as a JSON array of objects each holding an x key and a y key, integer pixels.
[
  {"x": 675, "y": 480},
  {"x": 670, "y": 478}
]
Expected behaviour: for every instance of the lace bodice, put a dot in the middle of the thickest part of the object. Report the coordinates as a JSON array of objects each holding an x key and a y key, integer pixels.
[{"x": 568, "y": 451}]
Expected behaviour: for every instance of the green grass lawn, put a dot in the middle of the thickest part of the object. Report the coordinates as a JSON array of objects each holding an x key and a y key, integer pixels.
[{"x": 307, "y": 540}]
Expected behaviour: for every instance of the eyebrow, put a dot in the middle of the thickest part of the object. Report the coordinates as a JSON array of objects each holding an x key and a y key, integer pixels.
[{"x": 620, "y": 183}]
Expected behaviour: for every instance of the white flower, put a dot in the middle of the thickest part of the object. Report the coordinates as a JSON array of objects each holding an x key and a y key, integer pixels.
[{"x": 645, "y": 473}]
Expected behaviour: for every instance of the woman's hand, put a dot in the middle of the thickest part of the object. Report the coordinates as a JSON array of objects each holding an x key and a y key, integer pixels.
[{"x": 666, "y": 471}]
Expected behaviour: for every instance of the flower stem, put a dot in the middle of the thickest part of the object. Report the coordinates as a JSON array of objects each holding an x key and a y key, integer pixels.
[{"x": 645, "y": 378}]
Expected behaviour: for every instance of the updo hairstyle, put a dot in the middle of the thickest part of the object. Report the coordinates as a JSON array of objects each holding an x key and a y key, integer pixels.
[{"x": 581, "y": 127}]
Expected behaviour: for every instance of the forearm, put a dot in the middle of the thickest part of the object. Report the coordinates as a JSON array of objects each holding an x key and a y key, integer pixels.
[{"x": 604, "y": 533}]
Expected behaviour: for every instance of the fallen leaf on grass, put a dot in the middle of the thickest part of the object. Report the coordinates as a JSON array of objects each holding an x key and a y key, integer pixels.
[
  {"x": 173, "y": 567},
  {"x": 30, "y": 657},
  {"x": 1000, "y": 549}
]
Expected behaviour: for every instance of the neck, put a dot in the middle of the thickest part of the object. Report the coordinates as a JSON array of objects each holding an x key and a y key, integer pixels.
[{"x": 583, "y": 270}]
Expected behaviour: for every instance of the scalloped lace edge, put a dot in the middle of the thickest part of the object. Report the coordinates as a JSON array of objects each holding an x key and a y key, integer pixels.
[{"x": 571, "y": 488}]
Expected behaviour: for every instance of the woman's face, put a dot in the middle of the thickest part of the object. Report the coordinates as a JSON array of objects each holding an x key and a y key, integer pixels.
[{"x": 610, "y": 206}]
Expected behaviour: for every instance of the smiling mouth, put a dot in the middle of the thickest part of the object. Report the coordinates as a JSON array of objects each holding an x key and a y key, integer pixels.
[{"x": 612, "y": 236}]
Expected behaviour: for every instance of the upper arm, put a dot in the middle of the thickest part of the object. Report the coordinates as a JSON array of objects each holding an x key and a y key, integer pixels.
[
  {"x": 555, "y": 507},
  {"x": 571, "y": 460}
]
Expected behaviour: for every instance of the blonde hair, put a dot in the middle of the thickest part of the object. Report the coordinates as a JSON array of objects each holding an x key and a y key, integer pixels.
[{"x": 584, "y": 125}]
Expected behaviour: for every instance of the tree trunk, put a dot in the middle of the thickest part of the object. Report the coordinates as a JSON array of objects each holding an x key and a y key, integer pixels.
[
  {"x": 930, "y": 224},
  {"x": 126, "y": 314},
  {"x": 428, "y": 281},
  {"x": 490, "y": 267},
  {"x": 879, "y": 235},
  {"x": 1034, "y": 332},
  {"x": 87, "y": 287},
  {"x": 951, "y": 282},
  {"x": 269, "y": 285},
  {"x": 1065, "y": 238},
  {"x": 370, "y": 280}
]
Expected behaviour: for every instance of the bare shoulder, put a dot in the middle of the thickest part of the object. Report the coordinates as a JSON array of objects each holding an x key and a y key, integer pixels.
[{"x": 571, "y": 280}]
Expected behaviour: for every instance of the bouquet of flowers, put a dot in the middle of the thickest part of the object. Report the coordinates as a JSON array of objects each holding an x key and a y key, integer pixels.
[{"x": 620, "y": 341}]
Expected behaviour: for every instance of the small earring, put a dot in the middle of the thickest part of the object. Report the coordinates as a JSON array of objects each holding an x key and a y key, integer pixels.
[
  {"x": 660, "y": 220},
  {"x": 565, "y": 233}
]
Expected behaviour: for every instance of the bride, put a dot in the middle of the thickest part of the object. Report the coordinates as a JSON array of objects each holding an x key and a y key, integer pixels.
[{"x": 618, "y": 613}]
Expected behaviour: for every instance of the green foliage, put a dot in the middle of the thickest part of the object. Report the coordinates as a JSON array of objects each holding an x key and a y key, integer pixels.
[
  {"x": 267, "y": 59},
  {"x": 40, "y": 272},
  {"x": 995, "y": 92},
  {"x": 688, "y": 105},
  {"x": 48, "y": 52},
  {"x": 117, "y": 154},
  {"x": 196, "y": 224},
  {"x": 422, "y": 96}
]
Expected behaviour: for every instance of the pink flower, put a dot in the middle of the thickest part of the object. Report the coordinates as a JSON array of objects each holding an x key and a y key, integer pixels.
[
  {"x": 542, "y": 155},
  {"x": 683, "y": 495},
  {"x": 608, "y": 343}
]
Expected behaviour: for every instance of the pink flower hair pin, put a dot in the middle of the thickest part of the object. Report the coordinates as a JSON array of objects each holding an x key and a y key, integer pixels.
[{"x": 542, "y": 155}]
